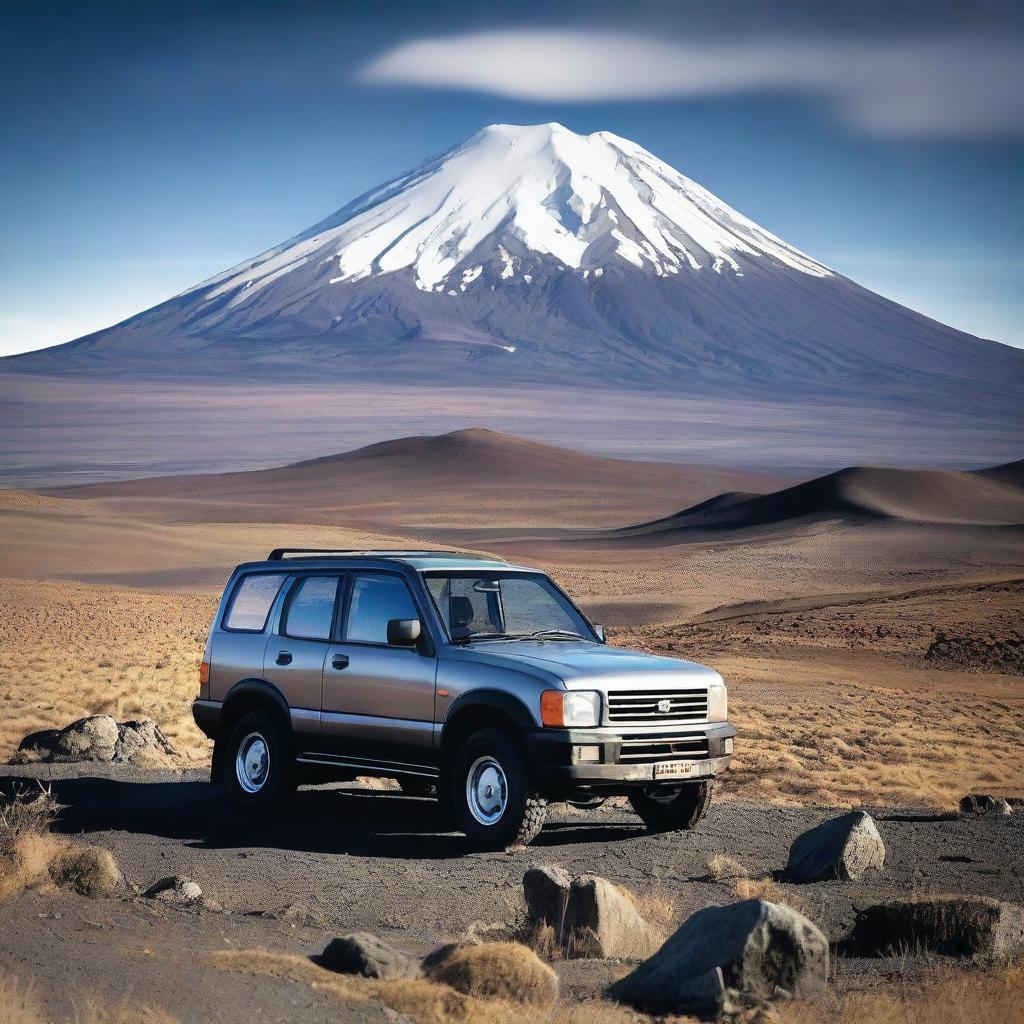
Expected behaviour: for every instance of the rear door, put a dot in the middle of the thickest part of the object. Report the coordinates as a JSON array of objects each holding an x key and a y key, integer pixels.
[
  {"x": 378, "y": 700},
  {"x": 294, "y": 656}
]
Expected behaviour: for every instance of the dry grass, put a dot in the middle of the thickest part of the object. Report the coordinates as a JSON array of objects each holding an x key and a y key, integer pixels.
[
  {"x": 721, "y": 868},
  {"x": 68, "y": 650},
  {"x": 422, "y": 1001},
  {"x": 507, "y": 971},
  {"x": 30, "y": 856},
  {"x": 758, "y": 889},
  {"x": 19, "y": 1004},
  {"x": 945, "y": 995},
  {"x": 656, "y": 905}
]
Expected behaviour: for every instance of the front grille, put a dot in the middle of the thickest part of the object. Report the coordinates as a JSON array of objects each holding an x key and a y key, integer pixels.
[
  {"x": 648, "y": 749},
  {"x": 649, "y": 706}
]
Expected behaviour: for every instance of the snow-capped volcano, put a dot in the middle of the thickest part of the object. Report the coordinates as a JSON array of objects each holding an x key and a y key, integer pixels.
[
  {"x": 536, "y": 255},
  {"x": 508, "y": 195}
]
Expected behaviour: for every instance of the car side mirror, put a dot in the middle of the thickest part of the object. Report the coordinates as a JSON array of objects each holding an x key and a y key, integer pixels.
[
  {"x": 404, "y": 632},
  {"x": 599, "y": 630}
]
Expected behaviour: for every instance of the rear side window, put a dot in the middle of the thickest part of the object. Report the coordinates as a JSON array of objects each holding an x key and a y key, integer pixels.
[
  {"x": 311, "y": 608},
  {"x": 375, "y": 600},
  {"x": 252, "y": 602}
]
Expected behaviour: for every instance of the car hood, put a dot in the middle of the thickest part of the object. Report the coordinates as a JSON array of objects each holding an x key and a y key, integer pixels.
[{"x": 581, "y": 664}]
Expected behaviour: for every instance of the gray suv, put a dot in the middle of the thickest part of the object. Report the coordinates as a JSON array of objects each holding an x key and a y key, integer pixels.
[{"x": 471, "y": 679}]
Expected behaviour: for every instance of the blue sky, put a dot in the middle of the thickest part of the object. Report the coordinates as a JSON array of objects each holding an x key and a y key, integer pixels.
[{"x": 145, "y": 146}]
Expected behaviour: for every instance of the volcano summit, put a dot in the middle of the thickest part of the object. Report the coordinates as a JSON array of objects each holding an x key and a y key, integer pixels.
[{"x": 536, "y": 255}]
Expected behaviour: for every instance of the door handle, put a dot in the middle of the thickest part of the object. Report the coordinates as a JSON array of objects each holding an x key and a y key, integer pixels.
[
  {"x": 284, "y": 657},
  {"x": 339, "y": 661}
]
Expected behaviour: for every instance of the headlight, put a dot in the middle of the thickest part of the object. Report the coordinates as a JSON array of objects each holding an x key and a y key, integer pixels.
[
  {"x": 718, "y": 704},
  {"x": 572, "y": 709}
]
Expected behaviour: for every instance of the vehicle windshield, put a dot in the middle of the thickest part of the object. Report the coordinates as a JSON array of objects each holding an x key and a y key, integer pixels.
[{"x": 505, "y": 606}]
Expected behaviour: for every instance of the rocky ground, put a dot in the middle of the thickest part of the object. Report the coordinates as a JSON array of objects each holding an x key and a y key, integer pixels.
[{"x": 345, "y": 859}]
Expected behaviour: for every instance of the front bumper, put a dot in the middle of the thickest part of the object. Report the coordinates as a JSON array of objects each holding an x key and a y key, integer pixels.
[{"x": 556, "y": 768}]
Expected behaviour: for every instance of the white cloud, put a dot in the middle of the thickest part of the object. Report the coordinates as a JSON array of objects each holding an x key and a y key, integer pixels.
[{"x": 935, "y": 87}]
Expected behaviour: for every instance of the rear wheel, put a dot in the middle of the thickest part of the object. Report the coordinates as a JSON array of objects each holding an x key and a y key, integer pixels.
[
  {"x": 673, "y": 811},
  {"x": 258, "y": 769},
  {"x": 491, "y": 792}
]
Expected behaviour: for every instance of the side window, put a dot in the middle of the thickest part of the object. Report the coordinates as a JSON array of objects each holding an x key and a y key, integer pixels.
[
  {"x": 377, "y": 598},
  {"x": 311, "y": 608},
  {"x": 251, "y": 604}
]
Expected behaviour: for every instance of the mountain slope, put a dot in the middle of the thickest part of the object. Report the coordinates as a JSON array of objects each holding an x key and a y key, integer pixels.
[
  {"x": 535, "y": 255},
  {"x": 473, "y": 477},
  {"x": 858, "y": 494}
]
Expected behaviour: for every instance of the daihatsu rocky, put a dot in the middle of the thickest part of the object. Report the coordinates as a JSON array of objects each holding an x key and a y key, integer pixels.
[{"x": 471, "y": 679}]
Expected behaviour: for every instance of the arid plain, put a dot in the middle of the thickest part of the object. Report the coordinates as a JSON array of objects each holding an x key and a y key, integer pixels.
[{"x": 868, "y": 622}]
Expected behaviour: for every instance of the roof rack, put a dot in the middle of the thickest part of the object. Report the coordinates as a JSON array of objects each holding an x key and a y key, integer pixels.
[{"x": 279, "y": 554}]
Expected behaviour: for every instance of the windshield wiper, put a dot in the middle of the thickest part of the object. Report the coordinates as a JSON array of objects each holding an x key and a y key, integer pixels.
[
  {"x": 486, "y": 636},
  {"x": 550, "y": 634}
]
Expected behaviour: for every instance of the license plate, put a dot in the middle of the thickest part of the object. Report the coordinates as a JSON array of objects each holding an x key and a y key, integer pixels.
[{"x": 672, "y": 769}]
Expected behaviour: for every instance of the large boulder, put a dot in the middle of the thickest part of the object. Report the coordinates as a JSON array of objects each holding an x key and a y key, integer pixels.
[
  {"x": 590, "y": 916},
  {"x": 89, "y": 739},
  {"x": 602, "y": 921},
  {"x": 844, "y": 848},
  {"x": 494, "y": 970},
  {"x": 96, "y": 738},
  {"x": 365, "y": 954},
  {"x": 968, "y": 926},
  {"x": 546, "y": 889},
  {"x": 744, "y": 953},
  {"x": 983, "y": 804}
]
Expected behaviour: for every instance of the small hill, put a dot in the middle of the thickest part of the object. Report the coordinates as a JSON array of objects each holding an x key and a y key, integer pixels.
[
  {"x": 475, "y": 478},
  {"x": 861, "y": 494}
]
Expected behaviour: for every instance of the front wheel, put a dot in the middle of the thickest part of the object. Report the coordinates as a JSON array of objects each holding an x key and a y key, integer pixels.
[
  {"x": 258, "y": 767},
  {"x": 673, "y": 811},
  {"x": 491, "y": 792}
]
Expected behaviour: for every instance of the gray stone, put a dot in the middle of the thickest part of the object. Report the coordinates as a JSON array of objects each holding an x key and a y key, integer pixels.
[
  {"x": 175, "y": 889},
  {"x": 760, "y": 949},
  {"x": 546, "y": 888},
  {"x": 602, "y": 921},
  {"x": 88, "y": 739},
  {"x": 365, "y": 954},
  {"x": 97, "y": 738},
  {"x": 842, "y": 848},
  {"x": 983, "y": 804},
  {"x": 89, "y": 870},
  {"x": 984, "y": 929},
  {"x": 140, "y": 738}
]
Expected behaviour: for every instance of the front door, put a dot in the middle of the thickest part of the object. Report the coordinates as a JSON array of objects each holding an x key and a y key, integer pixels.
[
  {"x": 378, "y": 700},
  {"x": 294, "y": 657}
]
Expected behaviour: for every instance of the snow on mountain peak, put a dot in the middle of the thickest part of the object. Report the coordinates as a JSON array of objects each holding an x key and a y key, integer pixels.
[{"x": 511, "y": 197}]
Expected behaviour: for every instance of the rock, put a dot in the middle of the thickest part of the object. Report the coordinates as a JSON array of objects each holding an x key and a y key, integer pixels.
[
  {"x": 843, "y": 848},
  {"x": 175, "y": 889},
  {"x": 494, "y": 970},
  {"x": 760, "y": 949},
  {"x": 88, "y": 739},
  {"x": 141, "y": 738},
  {"x": 983, "y": 804},
  {"x": 89, "y": 870},
  {"x": 97, "y": 738},
  {"x": 365, "y": 954},
  {"x": 602, "y": 921},
  {"x": 546, "y": 888},
  {"x": 590, "y": 916},
  {"x": 972, "y": 926}
]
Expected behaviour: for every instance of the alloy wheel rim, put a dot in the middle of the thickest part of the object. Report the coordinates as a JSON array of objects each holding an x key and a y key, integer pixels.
[
  {"x": 486, "y": 790},
  {"x": 252, "y": 763}
]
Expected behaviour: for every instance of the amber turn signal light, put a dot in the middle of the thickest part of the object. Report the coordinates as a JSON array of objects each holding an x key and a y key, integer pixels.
[
  {"x": 552, "y": 708},
  {"x": 204, "y": 673}
]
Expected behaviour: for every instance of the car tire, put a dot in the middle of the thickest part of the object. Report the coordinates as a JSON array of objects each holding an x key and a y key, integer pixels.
[
  {"x": 491, "y": 792},
  {"x": 258, "y": 767},
  {"x": 674, "y": 812}
]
